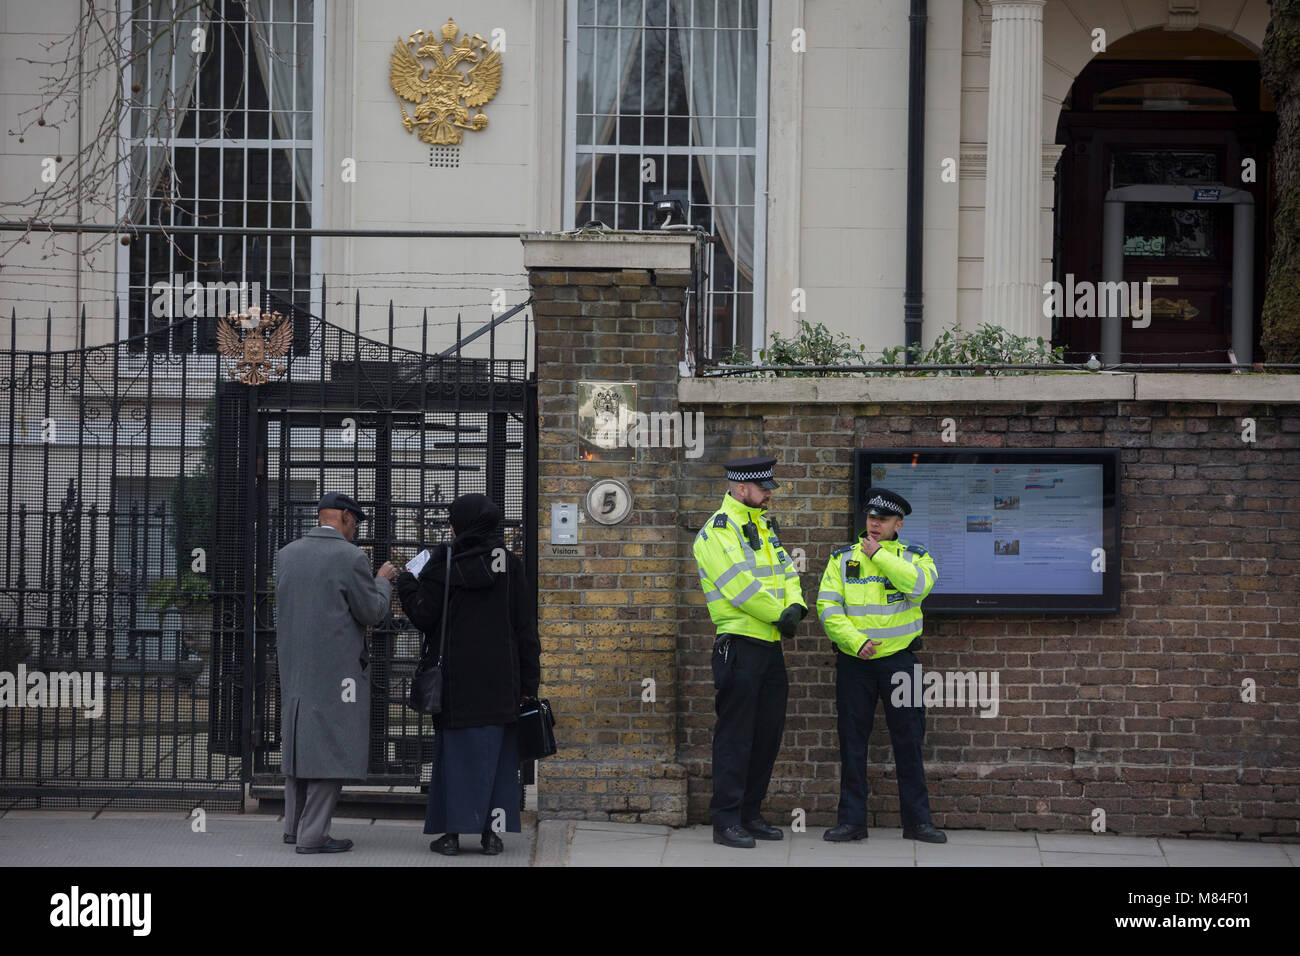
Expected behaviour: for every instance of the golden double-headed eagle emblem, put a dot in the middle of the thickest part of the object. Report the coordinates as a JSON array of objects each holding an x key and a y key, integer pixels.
[
  {"x": 438, "y": 89},
  {"x": 266, "y": 336}
]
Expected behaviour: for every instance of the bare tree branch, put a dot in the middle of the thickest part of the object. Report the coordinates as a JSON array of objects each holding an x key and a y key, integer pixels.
[{"x": 85, "y": 186}]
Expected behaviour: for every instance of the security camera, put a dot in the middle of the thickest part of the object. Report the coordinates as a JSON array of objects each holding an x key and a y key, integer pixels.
[{"x": 670, "y": 212}]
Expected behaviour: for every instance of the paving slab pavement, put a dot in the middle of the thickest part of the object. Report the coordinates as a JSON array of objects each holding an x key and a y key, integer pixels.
[
  {"x": 621, "y": 845},
  {"x": 1102, "y": 859},
  {"x": 125, "y": 839},
  {"x": 1224, "y": 853},
  {"x": 138, "y": 838},
  {"x": 1088, "y": 843}
]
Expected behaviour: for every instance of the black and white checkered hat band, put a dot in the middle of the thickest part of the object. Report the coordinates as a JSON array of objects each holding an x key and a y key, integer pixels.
[{"x": 749, "y": 475}]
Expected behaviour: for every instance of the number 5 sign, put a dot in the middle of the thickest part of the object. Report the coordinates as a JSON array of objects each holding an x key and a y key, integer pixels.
[{"x": 608, "y": 501}]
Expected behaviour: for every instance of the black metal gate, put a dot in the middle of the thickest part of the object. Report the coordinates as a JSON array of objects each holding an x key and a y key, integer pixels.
[{"x": 148, "y": 495}]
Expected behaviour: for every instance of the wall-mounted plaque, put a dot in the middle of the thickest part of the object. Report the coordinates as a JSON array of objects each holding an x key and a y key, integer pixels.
[{"x": 604, "y": 408}]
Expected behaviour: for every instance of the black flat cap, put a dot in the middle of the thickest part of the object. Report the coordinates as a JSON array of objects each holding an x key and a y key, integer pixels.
[
  {"x": 755, "y": 470},
  {"x": 336, "y": 499},
  {"x": 886, "y": 503}
]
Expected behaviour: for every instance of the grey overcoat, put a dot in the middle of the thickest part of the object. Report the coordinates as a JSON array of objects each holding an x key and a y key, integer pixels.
[{"x": 325, "y": 595}]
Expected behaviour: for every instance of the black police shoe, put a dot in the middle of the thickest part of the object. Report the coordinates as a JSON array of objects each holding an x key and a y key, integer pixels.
[
  {"x": 736, "y": 836},
  {"x": 330, "y": 846},
  {"x": 846, "y": 832},
  {"x": 760, "y": 829},
  {"x": 491, "y": 844},
  {"x": 290, "y": 838},
  {"x": 926, "y": 833}
]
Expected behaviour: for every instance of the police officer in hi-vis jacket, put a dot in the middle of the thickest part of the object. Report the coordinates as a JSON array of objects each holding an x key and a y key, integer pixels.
[
  {"x": 869, "y": 603},
  {"x": 754, "y": 600}
]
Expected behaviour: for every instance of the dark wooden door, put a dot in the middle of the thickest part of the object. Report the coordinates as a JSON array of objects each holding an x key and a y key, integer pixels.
[
  {"x": 1185, "y": 252},
  {"x": 1188, "y": 246}
]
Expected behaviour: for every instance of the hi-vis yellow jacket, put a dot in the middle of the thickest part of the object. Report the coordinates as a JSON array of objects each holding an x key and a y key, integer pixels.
[
  {"x": 747, "y": 587},
  {"x": 877, "y": 598}
]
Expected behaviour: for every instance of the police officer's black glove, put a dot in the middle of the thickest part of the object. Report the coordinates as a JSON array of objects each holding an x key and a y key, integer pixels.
[{"x": 789, "y": 620}]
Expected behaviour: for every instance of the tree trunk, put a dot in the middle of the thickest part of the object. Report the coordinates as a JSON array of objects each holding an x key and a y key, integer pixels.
[{"x": 1280, "y": 70}]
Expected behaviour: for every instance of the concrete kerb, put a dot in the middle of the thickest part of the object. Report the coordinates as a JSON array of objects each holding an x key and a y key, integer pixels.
[{"x": 554, "y": 838}]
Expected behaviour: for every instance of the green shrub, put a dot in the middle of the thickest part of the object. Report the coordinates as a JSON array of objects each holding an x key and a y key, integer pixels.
[
  {"x": 810, "y": 345},
  {"x": 987, "y": 346},
  {"x": 194, "y": 593}
]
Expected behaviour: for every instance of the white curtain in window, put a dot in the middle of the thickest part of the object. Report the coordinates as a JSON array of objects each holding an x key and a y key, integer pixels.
[
  {"x": 165, "y": 65},
  {"x": 728, "y": 179},
  {"x": 287, "y": 74},
  {"x": 611, "y": 57}
]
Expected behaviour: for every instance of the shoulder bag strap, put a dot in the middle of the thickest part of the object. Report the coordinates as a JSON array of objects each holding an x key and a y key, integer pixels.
[
  {"x": 510, "y": 609},
  {"x": 446, "y": 607}
]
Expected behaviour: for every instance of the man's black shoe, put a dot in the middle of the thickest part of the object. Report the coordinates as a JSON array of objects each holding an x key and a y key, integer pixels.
[
  {"x": 491, "y": 844},
  {"x": 845, "y": 832},
  {"x": 290, "y": 838},
  {"x": 736, "y": 836},
  {"x": 330, "y": 846},
  {"x": 926, "y": 833},
  {"x": 760, "y": 829}
]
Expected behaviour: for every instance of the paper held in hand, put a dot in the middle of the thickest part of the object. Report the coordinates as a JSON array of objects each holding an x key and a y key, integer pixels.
[{"x": 417, "y": 563}]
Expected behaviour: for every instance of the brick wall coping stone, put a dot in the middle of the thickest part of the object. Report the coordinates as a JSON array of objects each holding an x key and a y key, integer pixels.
[
  {"x": 1062, "y": 387},
  {"x": 608, "y": 249}
]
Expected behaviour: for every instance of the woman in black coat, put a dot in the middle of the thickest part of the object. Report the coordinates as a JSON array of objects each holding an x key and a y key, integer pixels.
[{"x": 490, "y": 664}]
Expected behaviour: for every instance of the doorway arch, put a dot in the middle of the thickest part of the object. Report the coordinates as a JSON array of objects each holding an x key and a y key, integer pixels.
[{"x": 1165, "y": 108}]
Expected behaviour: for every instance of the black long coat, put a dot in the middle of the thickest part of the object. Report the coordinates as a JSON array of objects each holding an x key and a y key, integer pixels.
[{"x": 492, "y": 656}]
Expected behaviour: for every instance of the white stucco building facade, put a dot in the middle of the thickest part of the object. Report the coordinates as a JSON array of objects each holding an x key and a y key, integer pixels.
[{"x": 796, "y": 160}]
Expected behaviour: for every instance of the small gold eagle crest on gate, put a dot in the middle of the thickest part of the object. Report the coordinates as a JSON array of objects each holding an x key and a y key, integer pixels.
[
  {"x": 437, "y": 89},
  {"x": 265, "y": 337}
]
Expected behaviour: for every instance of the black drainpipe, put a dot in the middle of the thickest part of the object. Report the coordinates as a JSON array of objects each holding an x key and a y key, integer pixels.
[{"x": 915, "y": 174}]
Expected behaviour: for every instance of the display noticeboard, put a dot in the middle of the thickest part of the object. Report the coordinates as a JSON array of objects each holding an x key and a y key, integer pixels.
[{"x": 1024, "y": 529}]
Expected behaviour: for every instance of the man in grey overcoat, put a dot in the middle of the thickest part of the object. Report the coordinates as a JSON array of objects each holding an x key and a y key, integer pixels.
[{"x": 325, "y": 598}]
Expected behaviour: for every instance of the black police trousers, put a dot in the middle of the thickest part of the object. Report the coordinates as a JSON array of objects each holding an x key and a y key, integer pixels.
[
  {"x": 751, "y": 689},
  {"x": 858, "y": 683}
]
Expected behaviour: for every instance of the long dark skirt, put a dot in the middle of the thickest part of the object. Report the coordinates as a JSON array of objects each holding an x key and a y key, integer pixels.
[{"x": 475, "y": 774}]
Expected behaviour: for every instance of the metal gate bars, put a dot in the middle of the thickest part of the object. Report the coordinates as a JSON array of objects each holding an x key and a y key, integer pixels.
[{"x": 148, "y": 494}]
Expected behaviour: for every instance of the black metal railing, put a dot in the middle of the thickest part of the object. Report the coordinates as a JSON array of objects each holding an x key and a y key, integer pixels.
[{"x": 147, "y": 496}]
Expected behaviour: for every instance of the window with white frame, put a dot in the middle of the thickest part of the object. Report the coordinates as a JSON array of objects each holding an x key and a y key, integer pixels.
[
  {"x": 668, "y": 98},
  {"x": 219, "y": 132}
]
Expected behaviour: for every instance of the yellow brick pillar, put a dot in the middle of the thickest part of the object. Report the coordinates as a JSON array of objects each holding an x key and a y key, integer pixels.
[{"x": 609, "y": 307}]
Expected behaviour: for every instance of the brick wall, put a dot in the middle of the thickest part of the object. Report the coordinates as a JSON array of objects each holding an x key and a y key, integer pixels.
[
  {"x": 609, "y": 618},
  {"x": 1138, "y": 713}
]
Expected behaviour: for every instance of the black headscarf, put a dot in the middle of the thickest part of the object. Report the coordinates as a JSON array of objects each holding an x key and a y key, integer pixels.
[{"x": 476, "y": 519}]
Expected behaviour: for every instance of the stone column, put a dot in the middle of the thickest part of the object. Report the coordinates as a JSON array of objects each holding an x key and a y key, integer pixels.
[
  {"x": 609, "y": 307},
  {"x": 1013, "y": 294}
]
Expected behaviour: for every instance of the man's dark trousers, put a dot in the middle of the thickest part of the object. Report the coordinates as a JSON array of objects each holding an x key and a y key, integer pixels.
[
  {"x": 858, "y": 684},
  {"x": 751, "y": 690}
]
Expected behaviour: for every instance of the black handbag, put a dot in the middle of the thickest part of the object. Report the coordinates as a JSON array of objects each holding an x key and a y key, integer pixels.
[
  {"x": 536, "y": 730},
  {"x": 425, "y": 694}
]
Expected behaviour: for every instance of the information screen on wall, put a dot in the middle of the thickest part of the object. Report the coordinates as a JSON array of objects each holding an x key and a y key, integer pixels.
[{"x": 1009, "y": 529}]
